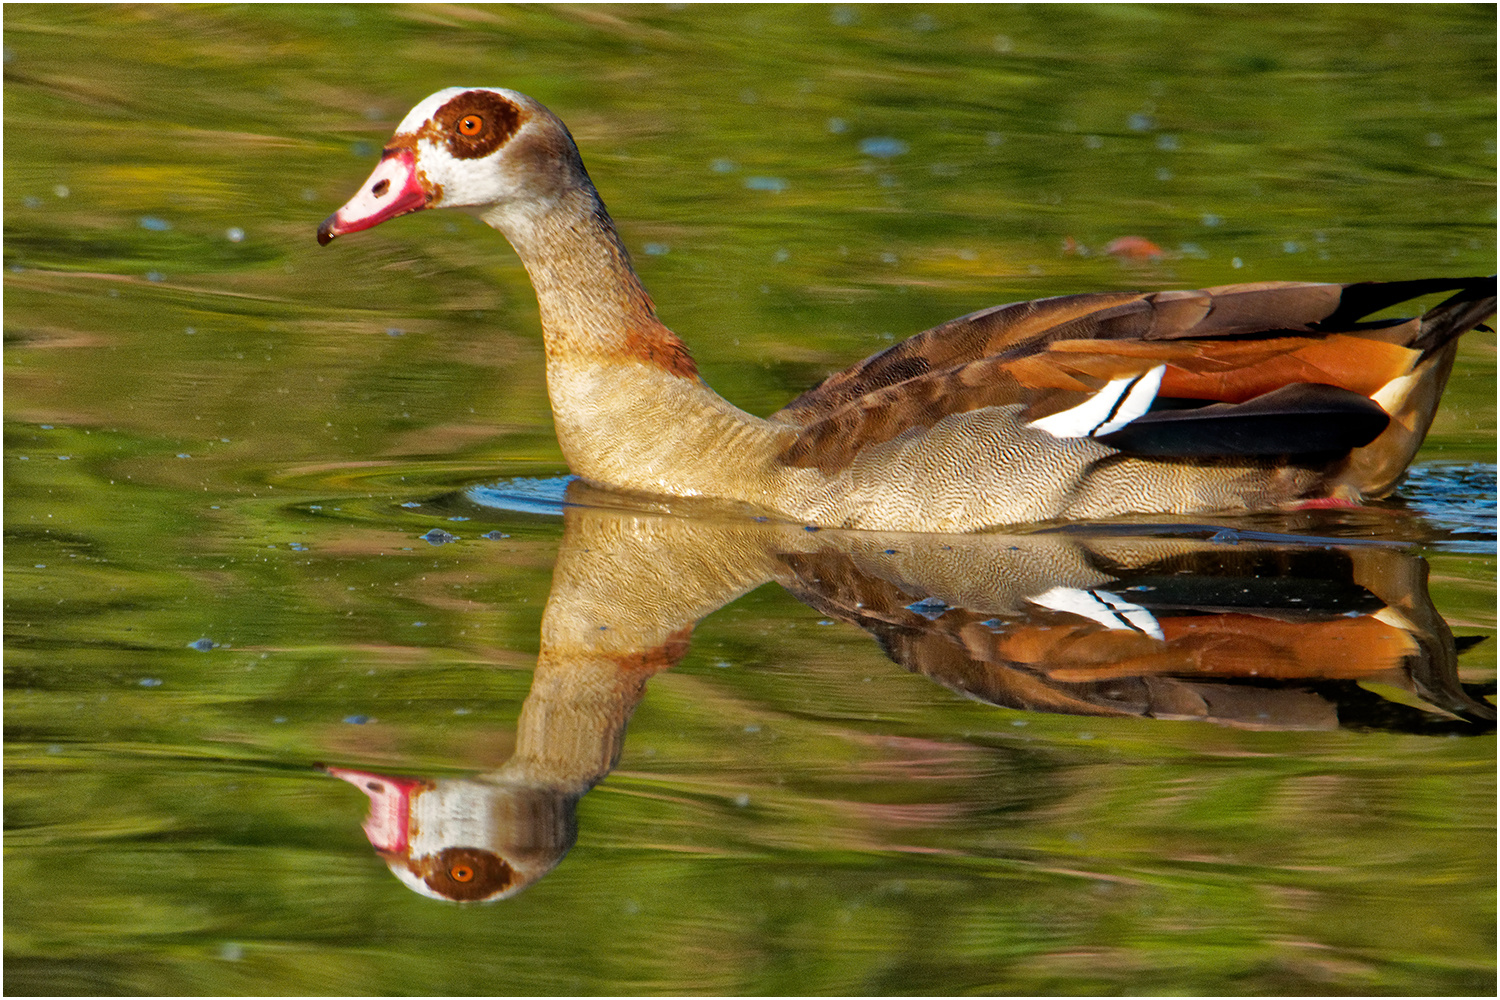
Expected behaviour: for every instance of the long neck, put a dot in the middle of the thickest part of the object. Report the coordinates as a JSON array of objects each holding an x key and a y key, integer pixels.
[
  {"x": 592, "y": 302},
  {"x": 629, "y": 407}
]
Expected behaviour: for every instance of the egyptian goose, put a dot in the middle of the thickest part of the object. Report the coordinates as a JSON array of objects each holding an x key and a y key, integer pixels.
[{"x": 1240, "y": 397}]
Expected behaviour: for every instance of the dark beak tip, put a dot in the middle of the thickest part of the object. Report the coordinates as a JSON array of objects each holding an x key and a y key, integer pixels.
[{"x": 325, "y": 231}]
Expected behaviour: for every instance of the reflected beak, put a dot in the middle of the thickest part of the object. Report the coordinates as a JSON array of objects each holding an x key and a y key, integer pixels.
[
  {"x": 393, "y": 189},
  {"x": 388, "y": 826}
]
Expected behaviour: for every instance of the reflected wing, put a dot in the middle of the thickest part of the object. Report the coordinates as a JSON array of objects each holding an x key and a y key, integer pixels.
[{"x": 1262, "y": 636}]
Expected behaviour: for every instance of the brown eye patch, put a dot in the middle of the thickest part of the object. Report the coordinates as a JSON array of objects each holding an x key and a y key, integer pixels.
[
  {"x": 476, "y": 123},
  {"x": 467, "y": 873}
]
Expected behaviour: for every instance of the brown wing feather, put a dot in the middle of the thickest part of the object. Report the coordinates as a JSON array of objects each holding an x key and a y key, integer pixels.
[
  {"x": 833, "y": 441},
  {"x": 1229, "y": 343},
  {"x": 1232, "y": 371},
  {"x": 1240, "y": 645},
  {"x": 961, "y": 341}
]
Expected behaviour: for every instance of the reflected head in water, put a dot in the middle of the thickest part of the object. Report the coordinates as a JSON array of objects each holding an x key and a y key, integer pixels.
[
  {"x": 1166, "y": 622},
  {"x": 465, "y": 840},
  {"x": 488, "y": 837}
]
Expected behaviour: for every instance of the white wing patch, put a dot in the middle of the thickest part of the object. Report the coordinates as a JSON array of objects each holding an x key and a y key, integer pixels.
[
  {"x": 1107, "y": 410},
  {"x": 1110, "y": 610}
]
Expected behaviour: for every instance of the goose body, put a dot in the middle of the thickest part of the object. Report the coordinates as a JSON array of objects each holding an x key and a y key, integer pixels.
[{"x": 1241, "y": 397}]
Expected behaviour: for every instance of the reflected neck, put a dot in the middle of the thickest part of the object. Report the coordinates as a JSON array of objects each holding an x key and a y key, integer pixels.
[{"x": 572, "y": 725}]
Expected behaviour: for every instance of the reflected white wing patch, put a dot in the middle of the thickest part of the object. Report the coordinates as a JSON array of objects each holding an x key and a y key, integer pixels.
[
  {"x": 1107, "y": 410},
  {"x": 1110, "y": 610}
]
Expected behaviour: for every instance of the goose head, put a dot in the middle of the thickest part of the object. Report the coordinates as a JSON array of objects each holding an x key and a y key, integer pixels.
[
  {"x": 465, "y": 840},
  {"x": 492, "y": 151}
]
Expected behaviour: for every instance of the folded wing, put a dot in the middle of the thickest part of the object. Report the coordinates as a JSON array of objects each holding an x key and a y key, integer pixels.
[{"x": 1267, "y": 369}]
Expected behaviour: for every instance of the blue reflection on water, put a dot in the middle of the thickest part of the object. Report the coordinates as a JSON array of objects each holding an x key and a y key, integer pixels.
[
  {"x": 1457, "y": 497},
  {"x": 525, "y": 495}
]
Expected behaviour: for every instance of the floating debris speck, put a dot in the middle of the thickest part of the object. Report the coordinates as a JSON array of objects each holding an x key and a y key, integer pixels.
[{"x": 882, "y": 147}]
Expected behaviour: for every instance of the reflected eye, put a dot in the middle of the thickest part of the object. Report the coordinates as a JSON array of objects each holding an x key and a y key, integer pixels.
[
  {"x": 467, "y": 873},
  {"x": 470, "y": 125}
]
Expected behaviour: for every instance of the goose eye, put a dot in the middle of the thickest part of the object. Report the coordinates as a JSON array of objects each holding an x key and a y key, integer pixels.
[
  {"x": 470, "y": 125},
  {"x": 461, "y": 873}
]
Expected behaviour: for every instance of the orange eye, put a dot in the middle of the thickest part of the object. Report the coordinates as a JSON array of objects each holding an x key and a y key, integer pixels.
[
  {"x": 461, "y": 873},
  {"x": 470, "y": 125}
]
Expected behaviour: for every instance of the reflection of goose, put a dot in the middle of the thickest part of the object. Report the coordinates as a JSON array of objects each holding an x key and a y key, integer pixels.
[
  {"x": 1252, "y": 634},
  {"x": 1245, "y": 396},
  {"x": 486, "y": 838},
  {"x": 1256, "y": 635}
]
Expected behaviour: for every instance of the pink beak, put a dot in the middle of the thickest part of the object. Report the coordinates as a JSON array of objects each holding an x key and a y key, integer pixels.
[
  {"x": 393, "y": 189},
  {"x": 388, "y": 826}
]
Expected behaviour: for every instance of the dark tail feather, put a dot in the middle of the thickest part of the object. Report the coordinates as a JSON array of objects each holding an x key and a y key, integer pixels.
[
  {"x": 1367, "y": 297},
  {"x": 1457, "y": 315}
]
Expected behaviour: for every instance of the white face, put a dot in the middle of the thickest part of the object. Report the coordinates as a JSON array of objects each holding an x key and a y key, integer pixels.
[
  {"x": 466, "y": 839},
  {"x": 478, "y": 841},
  {"x": 463, "y": 147},
  {"x": 428, "y": 106},
  {"x": 461, "y": 137}
]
